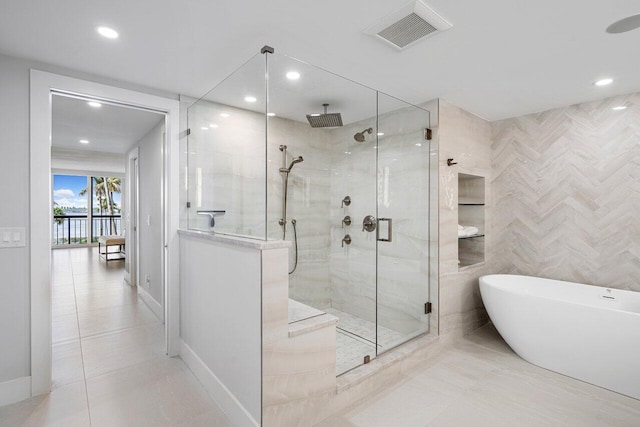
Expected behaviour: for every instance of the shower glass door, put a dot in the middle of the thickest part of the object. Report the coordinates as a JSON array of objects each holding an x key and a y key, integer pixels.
[
  {"x": 403, "y": 184},
  {"x": 332, "y": 262},
  {"x": 348, "y": 186}
]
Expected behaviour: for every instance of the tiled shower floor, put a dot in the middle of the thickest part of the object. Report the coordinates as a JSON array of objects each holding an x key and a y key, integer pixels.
[{"x": 356, "y": 338}]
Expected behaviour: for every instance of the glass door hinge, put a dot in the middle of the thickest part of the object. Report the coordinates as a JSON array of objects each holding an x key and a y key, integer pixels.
[{"x": 427, "y": 307}]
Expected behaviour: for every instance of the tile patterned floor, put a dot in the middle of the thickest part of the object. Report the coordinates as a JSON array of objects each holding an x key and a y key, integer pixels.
[
  {"x": 356, "y": 338},
  {"x": 108, "y": 366},
  {"x": 350, "y": 351},
  {"x": 481, "y": 382}
]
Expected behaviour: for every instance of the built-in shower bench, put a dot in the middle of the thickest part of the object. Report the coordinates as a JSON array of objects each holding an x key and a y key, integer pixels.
[{"x": 304, "y": 319}]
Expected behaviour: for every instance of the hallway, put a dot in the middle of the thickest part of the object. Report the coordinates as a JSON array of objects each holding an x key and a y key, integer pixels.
[{"x": 108, "y": 362}]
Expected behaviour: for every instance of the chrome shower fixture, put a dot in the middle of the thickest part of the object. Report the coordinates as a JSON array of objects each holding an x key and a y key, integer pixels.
[
  {"x": 359, "y": 137},
  {"x": 285, "y": 171},
  {"x": 298, "y": 159},
  {"x": 326, "y": 120}
]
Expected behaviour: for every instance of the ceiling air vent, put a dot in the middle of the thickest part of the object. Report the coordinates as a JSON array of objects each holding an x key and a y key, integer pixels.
[{"x": 414, "y": 22}]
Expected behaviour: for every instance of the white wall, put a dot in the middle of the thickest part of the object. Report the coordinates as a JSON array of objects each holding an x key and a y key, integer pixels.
[
  {"x": 220, "y": 316},
  {"x": 150, "y": 213},
  {"x": 14, "y": 174}
]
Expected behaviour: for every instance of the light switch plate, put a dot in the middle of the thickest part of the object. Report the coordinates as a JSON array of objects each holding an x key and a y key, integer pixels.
[{"x": 12, "y": 237}]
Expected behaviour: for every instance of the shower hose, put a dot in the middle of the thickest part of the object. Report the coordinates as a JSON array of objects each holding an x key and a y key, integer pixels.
[{"x": 295, "y": 240}]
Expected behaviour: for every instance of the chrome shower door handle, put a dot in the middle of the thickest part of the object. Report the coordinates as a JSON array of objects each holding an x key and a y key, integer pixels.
[{"x": 389, "y": 230}]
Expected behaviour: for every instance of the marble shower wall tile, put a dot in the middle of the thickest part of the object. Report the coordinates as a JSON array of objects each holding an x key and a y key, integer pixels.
[
  {"x": 567, "y": 187},
  {"x": 227, "y": 168},
  {"x": 294, "y": 369},
  {"x": 395, "y": 185},
  {"x": 226, "y": 171},
  {"x": 467, "y": 139},
  {"x": 307, "y": 203}
]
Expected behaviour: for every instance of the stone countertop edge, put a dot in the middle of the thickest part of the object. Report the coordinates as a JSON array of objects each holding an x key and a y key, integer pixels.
[
  {"x": 236, "y": 240},
  {"x": 312, "y": 324}
]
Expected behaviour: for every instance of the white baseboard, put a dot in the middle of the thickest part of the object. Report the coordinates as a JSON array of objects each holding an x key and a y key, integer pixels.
[
  {"x": 154, "y": 305},
  {"x": 237, "y": 413},
  {"x": 15, "y": 390}
]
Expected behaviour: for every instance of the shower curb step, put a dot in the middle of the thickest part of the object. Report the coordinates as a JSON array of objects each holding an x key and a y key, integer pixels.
[{"x": 420, "y": 346}]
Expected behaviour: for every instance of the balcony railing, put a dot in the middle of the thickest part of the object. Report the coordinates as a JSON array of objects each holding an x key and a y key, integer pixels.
[{"x": 73, "y": 229}]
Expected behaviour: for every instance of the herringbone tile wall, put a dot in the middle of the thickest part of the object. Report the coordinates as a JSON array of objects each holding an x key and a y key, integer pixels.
[{"x": 566, "y": 186}]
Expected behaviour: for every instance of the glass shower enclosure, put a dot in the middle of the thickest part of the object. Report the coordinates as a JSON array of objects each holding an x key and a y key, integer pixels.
[{"x": 284, "y": 150}]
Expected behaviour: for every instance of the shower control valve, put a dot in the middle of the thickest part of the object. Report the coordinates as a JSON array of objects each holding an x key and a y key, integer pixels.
[
  {"x": 346, "y": 221},
  {"x": 369, "y": 223},
  {"x": 346, "y": 201},
  {"x": 346, "y": 240}
]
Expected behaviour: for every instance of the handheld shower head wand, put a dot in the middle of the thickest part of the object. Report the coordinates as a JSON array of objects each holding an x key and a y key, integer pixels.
[
  {"x": 359, "y": 137},
  {"x": 295, "y": 160},
  {"x": 298, "y": 159}
]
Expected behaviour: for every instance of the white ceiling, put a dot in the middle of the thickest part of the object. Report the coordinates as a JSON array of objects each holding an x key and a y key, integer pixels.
[
  {"x": 109, "y": 128},
  {"x": 502, "y": 58},
  {"x": 294, "y": 99}
]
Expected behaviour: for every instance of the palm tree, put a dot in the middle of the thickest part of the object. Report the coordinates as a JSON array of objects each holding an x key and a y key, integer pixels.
[
  {"x": 104, "y": 196},
  {"x": 112, "y": 186}
]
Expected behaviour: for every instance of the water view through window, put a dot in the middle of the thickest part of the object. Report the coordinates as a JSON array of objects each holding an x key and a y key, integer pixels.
[{"x": 85, "y": 206}]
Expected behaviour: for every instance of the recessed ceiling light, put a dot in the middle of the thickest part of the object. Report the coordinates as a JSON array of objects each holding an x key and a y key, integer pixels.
[
  {"x": 418, "y": 144},
  {"x": 204, "y": 128},
  {"x": 107, "y": 32},
  {"x": 213, "y": 125},
  {"x": 619, "y": 107},
  {"x": 380, "y": 133},
  {"x": 94, "y": 104},
  {"x": 604, "y": 82},
  {"x": 250, "y": 99},
  {"x": 84, "y": 141},
  {"x": 293, "y": 75},
  {"x": 271, "y": 114},
  {"x": 347, "y": 152},
  {"x": 225, "y": 115}
]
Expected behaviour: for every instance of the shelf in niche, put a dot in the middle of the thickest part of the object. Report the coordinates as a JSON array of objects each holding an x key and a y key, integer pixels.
[
  {"x": 471, "y": 213},
  {"x": 471, "y": 237}
]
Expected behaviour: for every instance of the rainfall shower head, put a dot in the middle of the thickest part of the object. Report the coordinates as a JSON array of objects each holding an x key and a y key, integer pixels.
[
  {"x": 360, "y": 135},
  {"x": 326, "y": 120}
]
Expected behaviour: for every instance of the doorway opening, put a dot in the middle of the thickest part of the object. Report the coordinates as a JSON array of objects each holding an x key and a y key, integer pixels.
[
  {"x": 99, "y": 247},
  {"x": 47, "y": 157}
]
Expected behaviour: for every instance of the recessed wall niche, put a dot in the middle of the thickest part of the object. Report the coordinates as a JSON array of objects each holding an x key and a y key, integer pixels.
[{"x": 471, "y": 226}]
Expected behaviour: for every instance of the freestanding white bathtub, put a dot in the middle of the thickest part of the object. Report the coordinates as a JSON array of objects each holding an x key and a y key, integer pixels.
[{"x": 586, "y": 332}]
